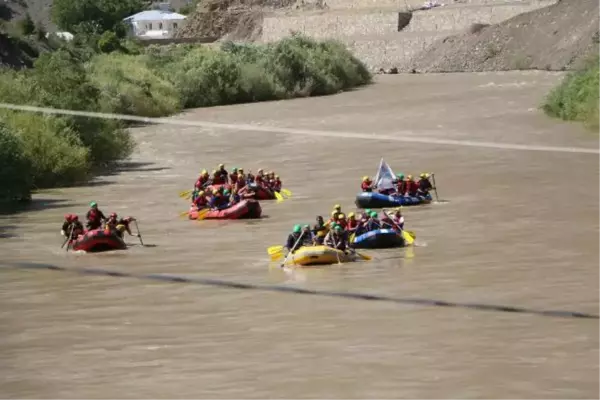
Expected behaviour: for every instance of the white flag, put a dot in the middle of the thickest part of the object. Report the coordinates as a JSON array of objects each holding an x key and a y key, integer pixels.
[{"x": 385, "y": 176}]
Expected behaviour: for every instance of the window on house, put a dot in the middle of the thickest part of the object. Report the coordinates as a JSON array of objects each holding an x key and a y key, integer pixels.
[
  {"x": 160, "y": 26},
  {"x": 150, "y": 26},
  {"x": 174, "y": 25}
]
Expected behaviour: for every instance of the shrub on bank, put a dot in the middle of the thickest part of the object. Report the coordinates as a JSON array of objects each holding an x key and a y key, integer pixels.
[
  {"x": 15, "y": 175},
  {"x": 61, "y": 150},
  {"x": 576, "y": 98}
]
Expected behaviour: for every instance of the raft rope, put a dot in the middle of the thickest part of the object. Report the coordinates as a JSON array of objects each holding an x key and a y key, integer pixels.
[
  {"x": 394, "y": 137},
  {"x": 297, "y": 290}
]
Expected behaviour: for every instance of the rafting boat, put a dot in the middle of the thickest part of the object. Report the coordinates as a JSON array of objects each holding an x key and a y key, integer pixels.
[
  {"x": 245, "y": 209},
  {"x": 98, "y": 240},
  {"x": 378, "y": 239},
  {"x": 320, "y": 255},
  {"x": 378, "y": 200}
]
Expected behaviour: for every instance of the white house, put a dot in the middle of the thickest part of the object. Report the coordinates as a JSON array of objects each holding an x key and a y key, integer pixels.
[{"x": 155, "y": 24}]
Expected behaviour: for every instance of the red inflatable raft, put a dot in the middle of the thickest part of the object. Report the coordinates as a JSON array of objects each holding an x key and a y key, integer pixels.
[
  {"x": 261, "y": 193},
  {"x": 245, "y": 209},
  {"x": 98, "y": 240}
]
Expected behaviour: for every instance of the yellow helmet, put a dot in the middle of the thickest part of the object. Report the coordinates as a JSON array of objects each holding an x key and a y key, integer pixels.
[
  {"x": 409, "y": 177},
  {"x": 365, "y": 178},
  {"x": 221, "y": 165},
  {"x": 337, "y": 207},
  {"x": 201, "y": 193},
  {"x": 204, "y": 172},
  {"x": 334, "y": 213},
  {"x": 351, "y": 215},
  {"x": 276, "y": 176},
  {"x": 259, "y": 171},
  {"x": 341, "y": 216},
  {"x": 320, "y": 233},
  {"x": 241, "y": 170},
  {"x": 214, "y": 171}
]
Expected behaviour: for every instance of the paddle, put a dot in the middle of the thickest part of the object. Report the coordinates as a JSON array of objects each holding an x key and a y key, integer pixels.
[
  {"x": 408, "y": 239},
  {"x": 202, "y": 214},
  {"x": 139, "y": 235},
  {"x": 274, "y": 250},
  {"x": 292, "y": 249},
  {"x": 286, "y": 192},
  {"x": 68, "y": 241},
  {"x": 437, "y": 200},
  {"x": 279, "y": 197},
  {"x": 68, "y": 238},
  {"x": 184, "y": 214},
  {"x": 185, "y": 193}
]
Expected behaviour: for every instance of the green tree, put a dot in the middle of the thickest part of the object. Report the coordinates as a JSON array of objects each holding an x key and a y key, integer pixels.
[
  {"x": 108, "y": 42},
  {"x": 15, "y": 168},
  {"x": 105, "y": 14},
  {"x": 26, "y": 24}
]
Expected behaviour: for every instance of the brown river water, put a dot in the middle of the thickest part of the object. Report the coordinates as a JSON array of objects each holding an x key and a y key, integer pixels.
[{"x": 519, "y": 228}]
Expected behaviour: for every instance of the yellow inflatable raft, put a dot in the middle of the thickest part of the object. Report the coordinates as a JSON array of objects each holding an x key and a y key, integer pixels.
[{"x": 321, "y": 255}]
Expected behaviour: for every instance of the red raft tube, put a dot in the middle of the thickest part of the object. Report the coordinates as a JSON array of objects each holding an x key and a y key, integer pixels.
[
  {"x": 98, "y": 240},
  {"x": 245, "y": 209}
]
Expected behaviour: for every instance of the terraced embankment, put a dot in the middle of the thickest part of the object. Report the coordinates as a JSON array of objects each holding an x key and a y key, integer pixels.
[{"x": 385, "y": 34}]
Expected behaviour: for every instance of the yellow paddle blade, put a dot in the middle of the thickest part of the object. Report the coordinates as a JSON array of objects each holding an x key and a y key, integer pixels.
[
  {"x": 352, "y": 237},
  {"x": 408, "y": 239},
  {"x": 411, "y": 233},
  {"x": 275, "y": 249},
  {"x": 364, "y": 256},
  {"x": 286, "y": 192},
  {"x": 184, "y": 214},
  {"x": 202, "y": 214},
  {"x": 278, "y": 196},
  {"x": 276, "y": 256},
  {"x": 185, "y": 193}
]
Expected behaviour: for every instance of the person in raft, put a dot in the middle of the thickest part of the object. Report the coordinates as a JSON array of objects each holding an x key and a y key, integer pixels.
[
  {"x": 203, "y": 180},
  {"x": 94, "y": 217},
  {"x": 336, "y": 238},
  {"x": 220, "y": 199},
  {"x": 222, "y": 172},
  {"x": 366, "y": 185},
  {"x": 71, "y": 225},
  {"x": 119, "y": 225},
  {"x": 424, "y": 184},
  {"x": 294, "y": 239}
]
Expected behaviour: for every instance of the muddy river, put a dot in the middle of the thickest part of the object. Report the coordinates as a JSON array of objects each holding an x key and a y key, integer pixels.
[{"x": 519, "y": 228}]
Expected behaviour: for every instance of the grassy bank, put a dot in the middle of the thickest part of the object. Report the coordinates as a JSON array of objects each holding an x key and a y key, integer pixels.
[
  {"x": 153, "y": 82},
  {"x": 576, "y": 98}
]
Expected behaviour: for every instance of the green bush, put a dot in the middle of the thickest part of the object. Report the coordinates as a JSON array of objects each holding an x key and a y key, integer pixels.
[
  {"x": 576, "y": 98},
  {"x": 15, "y": 174},
  {"x": 128, "y": 86},
  {"x": 158, "y": 81},
  {"x": 108, "y": 42},
  {"x": 27, "y": 25},
  {"x": 54, "y": 150},
  {"x": 73, "y": 15}
]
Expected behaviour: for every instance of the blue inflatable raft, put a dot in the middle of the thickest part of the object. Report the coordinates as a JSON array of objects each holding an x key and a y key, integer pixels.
[
  {"x": 378, "y": 239},
  {"x": 378, "y": 200}
]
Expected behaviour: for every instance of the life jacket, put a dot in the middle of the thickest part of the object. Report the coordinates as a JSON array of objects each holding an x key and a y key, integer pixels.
[
  {"x": 201, "y": 201},
  {"x": 233, "y": 178},
  {"x": 218, "y": 180},
  {"x": 277, "y": 185},
  {"x": 94, "y": 215},
  {"x": 352, "y": 224},
  {"x": 411, "y": 187},
  {"x": 366, "y": 186}
]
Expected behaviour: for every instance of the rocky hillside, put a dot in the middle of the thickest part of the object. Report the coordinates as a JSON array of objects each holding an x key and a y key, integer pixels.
[
  {"x": 235, "y": 19},
  {"x": 558, "y": 37}
]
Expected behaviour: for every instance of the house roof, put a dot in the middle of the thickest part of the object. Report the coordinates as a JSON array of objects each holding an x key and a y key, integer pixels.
[{"x": 154, "y": 15}]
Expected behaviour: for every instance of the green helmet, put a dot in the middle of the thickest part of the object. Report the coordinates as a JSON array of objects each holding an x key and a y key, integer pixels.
[
  {"x": 373, "y": 214},
  {"x": 400, "y": 176},
  {"x": 93, "y": 204},
  {"x": 337, "y": 228},
  {"x": 226, "y": 192},
  {"x": 368, "y": 211},
  {"x": 234, "y": 169},
  {"x": 297, "y": 228},
  {"x": 306, "y": 226}
]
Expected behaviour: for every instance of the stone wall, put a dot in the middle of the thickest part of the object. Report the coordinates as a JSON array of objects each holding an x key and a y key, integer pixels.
[{"x": 373, "y": 34}]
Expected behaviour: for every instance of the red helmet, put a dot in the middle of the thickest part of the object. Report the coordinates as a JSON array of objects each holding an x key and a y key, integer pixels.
[
  {"x": 74, "y": 218},
  {"x": 113, "y": 215},
  {"x": 68, "y": 217}
]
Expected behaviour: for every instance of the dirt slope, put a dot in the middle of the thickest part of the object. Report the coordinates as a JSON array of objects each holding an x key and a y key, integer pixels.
[
  {"x": 557, "y": 37},
  {"x": 235, "y": 19}
]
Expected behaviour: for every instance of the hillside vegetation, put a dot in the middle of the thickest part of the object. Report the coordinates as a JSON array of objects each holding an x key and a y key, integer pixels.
[{"x": 156, "y": 81}]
